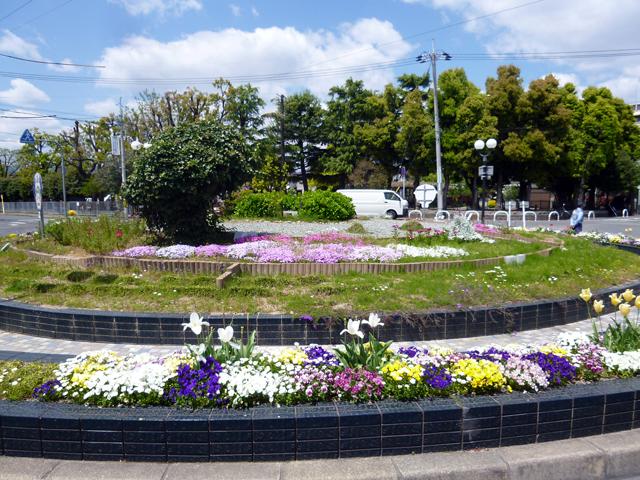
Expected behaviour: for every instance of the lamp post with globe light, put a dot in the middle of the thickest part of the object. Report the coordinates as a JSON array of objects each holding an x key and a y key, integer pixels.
[{"x": 484, "y": 149}]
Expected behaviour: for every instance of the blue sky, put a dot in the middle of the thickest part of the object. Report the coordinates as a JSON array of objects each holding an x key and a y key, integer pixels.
[{"x": 172, "y": 44}]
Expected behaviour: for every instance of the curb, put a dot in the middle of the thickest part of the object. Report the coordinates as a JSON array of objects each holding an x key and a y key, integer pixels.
[{"x": 615, "y": 455}]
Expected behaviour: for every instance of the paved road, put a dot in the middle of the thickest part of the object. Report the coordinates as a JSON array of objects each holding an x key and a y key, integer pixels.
[
  {"x": 606, "y": 224},
  {"x": 11, "y": 223}
]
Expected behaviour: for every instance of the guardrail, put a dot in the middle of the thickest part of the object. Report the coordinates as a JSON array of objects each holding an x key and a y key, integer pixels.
[
  {"x": 557, "y": 214},
  {"x": 471, "y": 213},
  {"x": 439, "y": 213},
  {"x": 499, "y": 212}
]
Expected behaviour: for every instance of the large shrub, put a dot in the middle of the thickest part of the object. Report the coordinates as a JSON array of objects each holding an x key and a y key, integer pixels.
[
  {"x": 176, "y": 180},
  {"x": 325, "y": 205},
  {"x": 259, "y": 205}
]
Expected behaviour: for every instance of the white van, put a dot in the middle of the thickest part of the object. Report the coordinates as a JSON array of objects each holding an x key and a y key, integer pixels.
[{"x": 377, "y": 202}]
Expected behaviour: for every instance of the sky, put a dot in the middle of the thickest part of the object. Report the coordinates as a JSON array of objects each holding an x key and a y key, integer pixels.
[{"x": 284, "y": 46}]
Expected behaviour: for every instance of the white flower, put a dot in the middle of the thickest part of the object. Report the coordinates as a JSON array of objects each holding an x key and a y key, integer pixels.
[
  {"x": 374, "y": 321},
  {"x": 195, "y": 323},
  {"x": 353, "y": 328},
  {"x": 225, "y": 334}
]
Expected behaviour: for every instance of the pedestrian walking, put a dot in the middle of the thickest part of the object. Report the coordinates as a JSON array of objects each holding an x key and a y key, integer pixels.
[{"x": 576, "y": 219}]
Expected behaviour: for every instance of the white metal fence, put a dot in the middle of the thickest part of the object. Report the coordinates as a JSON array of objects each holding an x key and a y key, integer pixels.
[{"x": 57, "y": 208}]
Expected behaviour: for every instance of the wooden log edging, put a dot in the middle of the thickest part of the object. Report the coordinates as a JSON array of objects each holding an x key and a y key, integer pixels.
[
  {"x": 257, "y": 269},
  {"x": 330, "y": 430}
]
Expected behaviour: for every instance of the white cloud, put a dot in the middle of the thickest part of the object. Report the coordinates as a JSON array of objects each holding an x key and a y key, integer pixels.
[
  {"x": 161, "y": 7},
  {"x": 22, "y": 92},
  {"x": 232, "y": 52},
  {"x": 255, "y": 12},
  {"x": 11, "y": 128},
  {"x": 102, "y": 108},
  {"x": 235, "y": 9},
  {"x": 550, "y": 26},
  {"x": 12, "y": 44}
]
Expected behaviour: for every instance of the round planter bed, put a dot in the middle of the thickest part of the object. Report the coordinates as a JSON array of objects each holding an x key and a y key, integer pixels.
[{"x": 333, "y": 430}]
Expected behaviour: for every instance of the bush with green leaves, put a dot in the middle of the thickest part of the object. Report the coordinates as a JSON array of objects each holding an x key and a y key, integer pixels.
[
  {"x": 102, "y": 235},
  {"x": 175, "y": 182},
  {"x": 325, "y": 205},
  {"x": 259, "y": 205}
]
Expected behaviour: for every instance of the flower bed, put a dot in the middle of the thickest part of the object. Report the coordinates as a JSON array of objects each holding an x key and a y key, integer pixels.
[
  {"x": 234, "y": 375},
  {"x": 317, "y": 248}
]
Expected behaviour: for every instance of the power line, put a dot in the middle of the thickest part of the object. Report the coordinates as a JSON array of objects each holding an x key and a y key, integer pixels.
[
  {"x": 45, "y": 62},
  {"x": 15, "y": 10},
  {"x": 47, "y": 12}
]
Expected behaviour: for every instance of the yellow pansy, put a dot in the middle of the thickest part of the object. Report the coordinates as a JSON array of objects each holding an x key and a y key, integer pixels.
[
  {"x": 598, "y": 306},
  {"x": 585, "y": 294},
  {"x": 628, "y": 295},
  {"x": 638, "y": 302},
  {"x": 294, "y": 356},
  {"x": 481, "y": 374},
  {"x": 555, "y": 349},
  {"x": 625, "y": 309},
  {"x": 615, "y": 300},
  {"x": 402, "y": 371}
]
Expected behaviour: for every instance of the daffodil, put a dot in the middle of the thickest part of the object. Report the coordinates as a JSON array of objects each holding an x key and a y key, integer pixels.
[
  {"x": 624, "y": 308},
  {"x": 585, "y": 294},
  {"x": 615, "y": 300},
  {"x": 353, "y": 328},
  {"x": 598, "y": 306},
  {"x": 628, "y": 295},
  {"x": 195, "y": 323}
]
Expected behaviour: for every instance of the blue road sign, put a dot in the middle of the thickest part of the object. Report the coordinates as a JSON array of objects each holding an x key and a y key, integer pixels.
[{"x": 27, "y": 137}]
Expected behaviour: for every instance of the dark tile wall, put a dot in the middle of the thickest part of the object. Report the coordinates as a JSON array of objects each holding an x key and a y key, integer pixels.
[
  {"x": 331, "y": 430},
  {"x": 150, "y": 328}
]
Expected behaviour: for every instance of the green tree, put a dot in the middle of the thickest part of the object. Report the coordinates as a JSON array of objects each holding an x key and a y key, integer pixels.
[
  {"x": 414, "y": 142},
  {"x": 350, "y": 106},
  {"x": 504, "y": 93},
  {"x": 303, "y": 133},
  {"x": 454, "y": 88},
  {"x": 175, "y": 182}
]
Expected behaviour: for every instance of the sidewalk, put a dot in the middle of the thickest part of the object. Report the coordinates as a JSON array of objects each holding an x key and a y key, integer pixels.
[
  {"x": 24, "y": 347},
  {"x": 611, "y": 456}
]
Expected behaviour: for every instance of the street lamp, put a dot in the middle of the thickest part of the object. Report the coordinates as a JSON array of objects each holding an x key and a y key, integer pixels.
[
  {"x": 484, "y": 149},
  {"x": 136, "y": 144}
]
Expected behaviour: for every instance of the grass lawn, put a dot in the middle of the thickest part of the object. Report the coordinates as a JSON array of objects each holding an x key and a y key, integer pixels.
[{"x": 582, "y": 264}]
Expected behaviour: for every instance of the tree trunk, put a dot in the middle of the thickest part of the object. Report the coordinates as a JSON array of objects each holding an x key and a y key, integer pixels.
[
  {"x": 499, "y": 184},
  {"x": 303, "y": 167}
]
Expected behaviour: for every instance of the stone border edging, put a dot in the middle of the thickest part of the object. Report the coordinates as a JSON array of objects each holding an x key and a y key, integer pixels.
[
  {"x": 255, "y": 269},
  {"x": 331, "y": 430}
]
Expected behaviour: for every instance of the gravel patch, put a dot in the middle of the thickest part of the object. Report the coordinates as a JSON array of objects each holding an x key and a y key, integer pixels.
[{"x": 377, "y": 227}]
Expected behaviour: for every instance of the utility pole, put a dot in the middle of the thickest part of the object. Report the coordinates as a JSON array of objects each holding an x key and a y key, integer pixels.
[
  {"x": 433, "y": 57},
  {"x": 64, "y": 188},
  {"x": 282, "y": 159},
  {"x": 122, "y": 164},
  {"x": 122, "y": 132}
]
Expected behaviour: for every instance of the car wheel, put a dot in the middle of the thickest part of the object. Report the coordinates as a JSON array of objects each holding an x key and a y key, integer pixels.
[{"x": 391, "y": 214}]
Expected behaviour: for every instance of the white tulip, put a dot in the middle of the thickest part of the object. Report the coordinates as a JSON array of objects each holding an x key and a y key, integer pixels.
[
  {"x": 195, "y": 323},
  {"x": 353, "y": 328},
  {"x": 374, "y": 321},
  {"x": 225, "y": 334}
]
